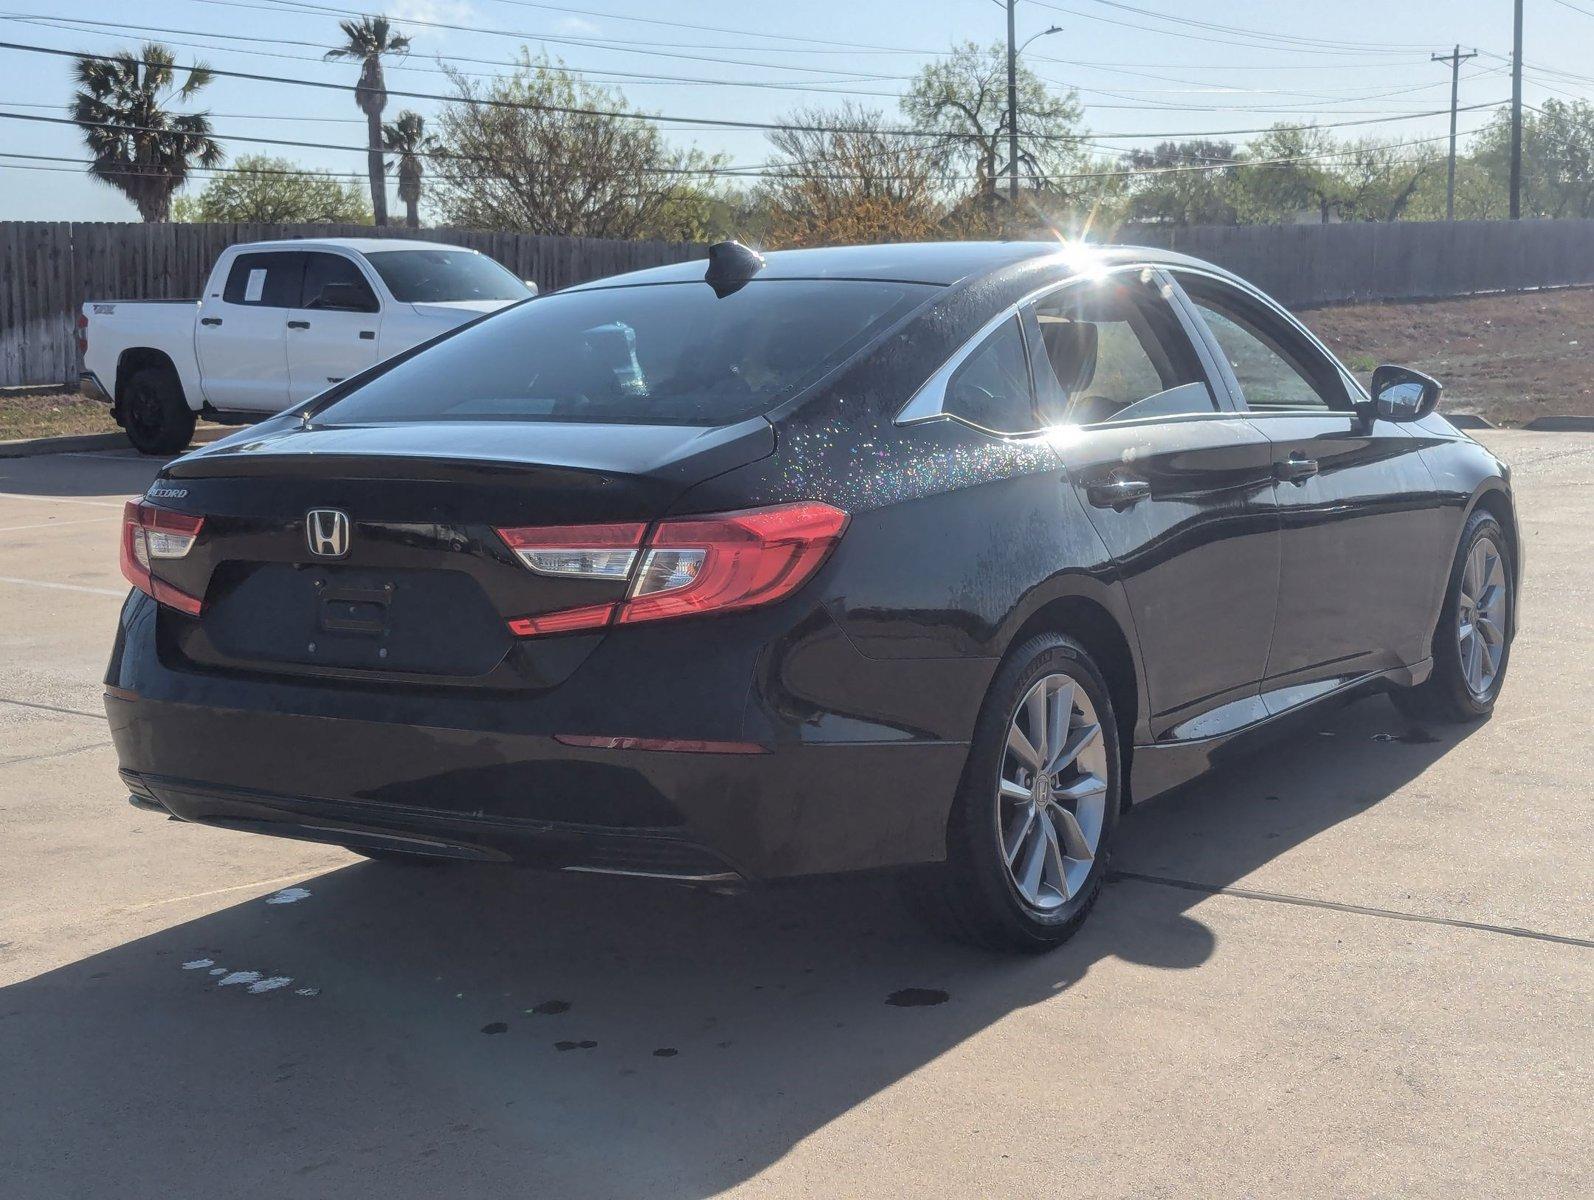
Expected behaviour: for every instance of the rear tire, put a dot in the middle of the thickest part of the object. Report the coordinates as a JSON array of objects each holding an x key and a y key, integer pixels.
[
  {"x": 1027, "y": 849},
  {"x": 1472, "y": 644},
  {"x": 154, "y": 414}
]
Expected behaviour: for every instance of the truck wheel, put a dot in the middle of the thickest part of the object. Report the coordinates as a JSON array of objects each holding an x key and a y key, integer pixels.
[{"x": 154, "y": 413}]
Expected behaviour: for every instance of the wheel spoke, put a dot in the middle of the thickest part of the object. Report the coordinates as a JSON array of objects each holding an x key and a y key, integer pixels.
[
  {"x": 1029, "y": 880},
  {"x": 1035, "y": 709},
  {"x": 1491, "y": 631},
  {"x": 1016, "y": 792},
  {"x": 1076, "y": 741},
  {"x": 1059, "y": 715},
  {"x": 1076, "y": 844},
  {"x": 1054, "y": 859},
  {"x": 1018, "y": 833},
  {"x": 1022, "y": 749},
  {"x": 1079, "y": 789}
]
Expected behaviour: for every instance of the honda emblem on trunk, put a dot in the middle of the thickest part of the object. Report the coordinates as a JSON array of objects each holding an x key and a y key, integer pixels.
[{"x": 327, "y": 531}]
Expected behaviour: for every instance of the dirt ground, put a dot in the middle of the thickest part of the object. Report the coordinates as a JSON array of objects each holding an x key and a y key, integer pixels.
[{"x": 1505, "y": 358}]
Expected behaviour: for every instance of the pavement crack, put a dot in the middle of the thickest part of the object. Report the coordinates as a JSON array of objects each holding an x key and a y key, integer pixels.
[
  {"x": 11, "y": 762},
  {"x": 74, "y": 712},
  {"x": 1212, "y": 889}
]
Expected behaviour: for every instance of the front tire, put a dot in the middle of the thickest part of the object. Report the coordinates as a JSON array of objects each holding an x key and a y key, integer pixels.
[
  {"x": 154, "y": 414},
  {"x": 1472, "y": 644},
  {"x": 1030, "y": 830}
]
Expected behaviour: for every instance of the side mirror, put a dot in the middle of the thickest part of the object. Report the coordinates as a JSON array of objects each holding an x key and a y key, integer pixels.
[
  {"x": 531, "y": 286},
  {"x": 1402, "y": 394}
]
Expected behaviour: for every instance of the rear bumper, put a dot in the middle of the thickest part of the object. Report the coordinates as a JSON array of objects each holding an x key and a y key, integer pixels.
[{"x": 89, "y": 384}]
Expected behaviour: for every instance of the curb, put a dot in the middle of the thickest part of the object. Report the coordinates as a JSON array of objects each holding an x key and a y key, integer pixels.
[
  {"x": 18, "y": 390},
  {"x": 34, "y": 447},
  {"x": 1469, "y": 421},
  {"x": 1569, "y": 424}
]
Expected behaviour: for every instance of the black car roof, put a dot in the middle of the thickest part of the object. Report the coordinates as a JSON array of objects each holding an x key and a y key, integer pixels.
[{"x": 941, "y": 263}]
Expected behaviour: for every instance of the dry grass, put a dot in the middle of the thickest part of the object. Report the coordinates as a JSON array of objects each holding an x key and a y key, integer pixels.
[
  {"x": 52, "y": 416},
  {"x": 1507, "y": 358}
]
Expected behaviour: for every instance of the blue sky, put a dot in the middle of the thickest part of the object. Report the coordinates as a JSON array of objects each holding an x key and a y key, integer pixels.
[{"x": 1138, "y": 76}]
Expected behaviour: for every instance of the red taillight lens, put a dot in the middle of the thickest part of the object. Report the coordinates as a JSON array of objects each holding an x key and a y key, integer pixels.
[
  {"x": 150, "y": 533},
  {"x": 689, "y": 566},
  {"x": 729, "y": 562},
  {"x": 82, "y": 334}
]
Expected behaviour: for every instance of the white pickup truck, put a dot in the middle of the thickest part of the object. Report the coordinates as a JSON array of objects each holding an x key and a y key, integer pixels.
[{"x": 278, "y": 322}]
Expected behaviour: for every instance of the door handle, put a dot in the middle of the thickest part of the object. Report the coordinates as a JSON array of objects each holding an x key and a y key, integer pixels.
[
  {"x": 210, "y": 320},
  {"x": 368, "y": 335},
  {"x": 298, "y": 324},
  {"x": 1297, "y": 468},
  {"x": 1117, "y": 493}
]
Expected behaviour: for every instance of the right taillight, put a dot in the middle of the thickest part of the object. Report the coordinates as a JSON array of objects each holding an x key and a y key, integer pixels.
[
  {"x": 150, "y": 534},
  {"x": 688, "y": 566}
]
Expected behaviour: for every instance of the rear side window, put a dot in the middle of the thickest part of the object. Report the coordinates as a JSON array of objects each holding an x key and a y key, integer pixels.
[
  {"x": 332, "y": 283},
  {"x": 438, "y": 276},
  {"x": 1114, "y": 350},
  {"x": 991, "y": 388},
  {"x": 271, "y": 280},
  {"x": 669, "y": 353}
]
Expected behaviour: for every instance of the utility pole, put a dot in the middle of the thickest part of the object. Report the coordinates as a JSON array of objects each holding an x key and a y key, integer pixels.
[
  {"x": 1012, "y": 106},
  {"x": 1455, "y": 58},
  {"x": 1516, "y": 114}
]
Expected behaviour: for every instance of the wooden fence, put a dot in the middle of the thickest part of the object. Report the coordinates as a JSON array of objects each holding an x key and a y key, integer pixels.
[
  {"x": 1305, "y": 265},
  {"x": 48, "y": 269}
]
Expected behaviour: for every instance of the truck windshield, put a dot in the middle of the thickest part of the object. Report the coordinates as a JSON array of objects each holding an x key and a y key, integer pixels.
[
  {"x": 438, "y": 276},
  {"x": 668, "y": 353}
]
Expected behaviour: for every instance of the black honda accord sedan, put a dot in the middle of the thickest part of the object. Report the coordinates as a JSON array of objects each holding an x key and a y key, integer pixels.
[{"x": 923, "y": 557}]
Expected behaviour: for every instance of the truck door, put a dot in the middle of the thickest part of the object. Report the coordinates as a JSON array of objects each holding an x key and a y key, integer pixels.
[
  {"x": 241, "y": 340},
  {"x": 333, "y": 327}
]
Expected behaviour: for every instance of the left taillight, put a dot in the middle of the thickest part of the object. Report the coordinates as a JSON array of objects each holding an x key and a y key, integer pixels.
[
  {"x": 150, "y": 534},
  {"x": 687, "y": 566}
]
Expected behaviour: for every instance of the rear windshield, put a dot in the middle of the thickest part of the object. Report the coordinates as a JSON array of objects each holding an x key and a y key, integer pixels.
[
  {"x": 433, "y": 276},
  {"x": 669, "y": 353}
]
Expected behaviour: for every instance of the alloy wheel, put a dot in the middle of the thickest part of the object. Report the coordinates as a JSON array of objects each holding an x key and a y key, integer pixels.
[
  {"x": 1052, "y": 792},
  {"x": 1480, "y": 616}
]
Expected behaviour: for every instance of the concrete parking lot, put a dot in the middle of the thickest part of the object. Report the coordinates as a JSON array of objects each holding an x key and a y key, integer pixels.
[{"x": 1360, "y": 964}]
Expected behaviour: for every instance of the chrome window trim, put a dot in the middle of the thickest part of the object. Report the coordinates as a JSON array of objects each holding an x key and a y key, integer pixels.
[{"x": 927, "y": 403}]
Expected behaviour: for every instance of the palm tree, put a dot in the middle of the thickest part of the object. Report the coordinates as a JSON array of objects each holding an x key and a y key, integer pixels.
[
  {"x": 407, "y": 138},
  {"x": 368, "y": 40},
  {"x": 139, "y": 147}
]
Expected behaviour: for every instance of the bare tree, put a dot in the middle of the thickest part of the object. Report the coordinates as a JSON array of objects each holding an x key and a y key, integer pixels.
[
  {"x": 541, "y": 151},
  {"x": 844, "y": 176}
]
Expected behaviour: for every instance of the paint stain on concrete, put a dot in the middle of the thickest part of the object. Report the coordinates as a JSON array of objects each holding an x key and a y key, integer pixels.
[
  {"x": 496, "y": 1027},
  {"x": 665, "y": 1052},
  {"x": 917, "y": 998},
  {"x": 550, "y": 1008},
  {"x": 237, "y": 977},
  {"x": 307, "y": 991},
  {"x": 269, "y": 985},
  {"x": 198, "y": 964},
  {"x": 289, "y": 896},
  {"x": 583, "y": 1045}
]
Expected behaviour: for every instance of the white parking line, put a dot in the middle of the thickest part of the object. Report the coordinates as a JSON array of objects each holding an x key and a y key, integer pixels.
[
  {"x": 57, "y": 524},
  {"x": 64, "y": 587},
  {"x": 4, "y": 496}
]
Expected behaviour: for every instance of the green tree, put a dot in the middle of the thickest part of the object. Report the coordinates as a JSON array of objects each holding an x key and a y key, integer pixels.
[
  {"x": 367, "y": 41},
  {"x": 1184, "y": 183},
  {"x": 140, "y": 147},
  {"x": 527, "y": 162},
  {"x": 407, "y": 137},
  {"x": 266, "y": 190},
  {"x": 1557, "y": 157},
  {"x": 964, "y": 97},
  {"x": 1378, "y": 180},
  {"x": 1285, "y": 174}
]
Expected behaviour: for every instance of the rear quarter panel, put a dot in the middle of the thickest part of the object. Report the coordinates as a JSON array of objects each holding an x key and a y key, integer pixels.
[{"x": 117, "y": 326}]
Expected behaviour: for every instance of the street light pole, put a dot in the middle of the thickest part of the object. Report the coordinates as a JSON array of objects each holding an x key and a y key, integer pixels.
[
  {"x": 1455, "y": 59},
  {"x": 1013, "y": 51}
]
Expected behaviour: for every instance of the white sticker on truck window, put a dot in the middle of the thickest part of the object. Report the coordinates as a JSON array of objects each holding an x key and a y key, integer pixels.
[{"x": 256, "y": 286}]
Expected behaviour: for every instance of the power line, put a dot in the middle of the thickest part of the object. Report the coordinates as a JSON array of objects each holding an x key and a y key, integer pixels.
[{"x": 1250, "y": 43}]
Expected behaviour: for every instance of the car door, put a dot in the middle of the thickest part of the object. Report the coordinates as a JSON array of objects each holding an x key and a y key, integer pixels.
[
  {"x": 1179, "y": 490},
  {"x": 1360, "y": 528},
  {"x": 241, "y": 340},
  {"x": 333, "y": 328}
]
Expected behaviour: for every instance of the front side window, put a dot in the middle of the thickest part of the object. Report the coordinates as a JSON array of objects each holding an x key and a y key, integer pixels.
[
  {"x": 1115, "y": 351},
  {"x": 270, "y": 280},
  {"x": 991, "y": 388},
  {"x": 1278, "y": 369},
  {"x": 333, "y": 283},
  {"x": 440, "y": 276},
  {"x": 667, "y": 353}
]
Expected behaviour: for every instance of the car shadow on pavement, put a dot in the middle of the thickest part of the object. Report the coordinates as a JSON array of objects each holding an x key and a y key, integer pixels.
[
  {"x": 473, "y": 1031},
  {"x": 80, "y": 476}
]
